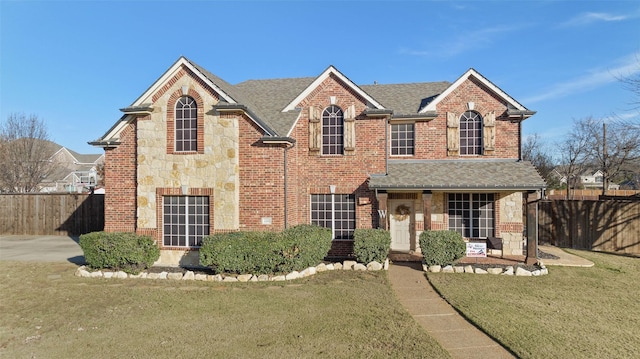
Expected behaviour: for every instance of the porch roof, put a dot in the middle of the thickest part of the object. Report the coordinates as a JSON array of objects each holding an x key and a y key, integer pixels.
[{"x": 475, "y": 175}]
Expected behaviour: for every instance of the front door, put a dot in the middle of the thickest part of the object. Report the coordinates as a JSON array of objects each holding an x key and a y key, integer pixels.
[{"x": 401, "y": 218}]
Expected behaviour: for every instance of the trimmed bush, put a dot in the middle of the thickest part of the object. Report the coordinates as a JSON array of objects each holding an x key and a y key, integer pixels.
[
  {"x": 296, "y": 248},
  {"x": 127, "y": 252},
  {"x": 442, "y": 247},
  {"x": 371, "y": 245}
]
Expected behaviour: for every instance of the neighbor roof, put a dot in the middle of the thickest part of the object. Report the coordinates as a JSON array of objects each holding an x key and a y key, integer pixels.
[{"x": 459, "y": 175}]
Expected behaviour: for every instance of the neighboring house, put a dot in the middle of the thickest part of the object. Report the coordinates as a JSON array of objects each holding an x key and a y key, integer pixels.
[
  {"x": 588, "y": 179},
  {"x": 72, "y": 172},
  {"x": 195, "y": 155}
]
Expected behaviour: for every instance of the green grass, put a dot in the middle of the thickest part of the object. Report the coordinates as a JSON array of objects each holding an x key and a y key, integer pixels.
[
  {"x": 46, "y": 312},
  {"x": 570, "y": 313}
]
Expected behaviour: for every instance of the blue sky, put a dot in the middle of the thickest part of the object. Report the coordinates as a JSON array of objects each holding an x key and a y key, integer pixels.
[{"x": 75, "y": 64}]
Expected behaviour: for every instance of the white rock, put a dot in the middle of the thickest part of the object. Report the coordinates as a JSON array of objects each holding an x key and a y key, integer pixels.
[
  {"x": 348, "y": 265},
  {"x": 337, "y": 266},
  {"x": 163, "y": 275},
  {"x": 447, "y": 269},
  {"x": 425, "y": 268},
  {"x": 480, "y": 271},
  {"x": 321, "y": 267},
  {"x": 263, "y": 278},
  {"x": 435, "y": 268},
  {"x": 544, "y": 271},
  {"x": 494, "y": 270},
  {"x": 330, "y": 266},
  {"x": 190, "y": 275},
  {"x": 97, "y": 274},
  {"x": 521, "y": 272},
  {"x": 468, "y": 269},
  {"x": 360, "y": 267},
  {"x": 308, "y": 272},
  {"x": 244, "y": 277},
  {"x": 153, "y": 276},
  {"x": 107, "y": 275},
  {"x": 253, "y": 278},
  {"x": 540, "y": 264},
  {"x": 278, "y": 278},
  {"x": 78, "y": 272},
  {"x": 121, "y": 275},
  {"x": 508, "y": 271},
  {"x": 230, "y": 279},
  {"x": 374, "y": 266},
  {"x": 83, "y": 273},
  {"x": 293, "y": 275},
  {"x": 215, "y": 278},
  {"x": 536, "y": 273},
  {"x": 386, "y": 264},
  {"x": 458, "y": 269},
  {"x": 137, "y": 276},
  {"x": 175, "y": 276},
  {"x": 200, "y": 276}
]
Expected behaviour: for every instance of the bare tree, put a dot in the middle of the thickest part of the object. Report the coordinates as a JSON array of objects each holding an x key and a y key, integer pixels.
[
  {"x": 613, "y": 147},
  {"x": 25, "y": 152},
  {"x": 574, "y": 150},
  {"x": 537, "y": 152}
]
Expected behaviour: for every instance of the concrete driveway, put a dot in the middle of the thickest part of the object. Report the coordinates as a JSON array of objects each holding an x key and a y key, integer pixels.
[{"x": 41, "y": 249}]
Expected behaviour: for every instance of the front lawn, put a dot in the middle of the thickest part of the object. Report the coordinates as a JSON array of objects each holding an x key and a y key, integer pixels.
[
  {"x": 570, "y": 313},
  {"x": 46, "y": 312}
]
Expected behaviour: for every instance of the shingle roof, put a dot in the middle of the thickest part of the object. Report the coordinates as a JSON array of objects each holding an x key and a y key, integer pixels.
[
  {"x": 405, "y": 99},
  {"x": 459, "y": 175}
]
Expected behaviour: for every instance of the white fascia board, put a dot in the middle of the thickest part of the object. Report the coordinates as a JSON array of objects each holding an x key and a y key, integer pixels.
[
  {"x": 471, "y": 72},
  {"x": 294, "y": 124},
  {"x": 170, "y": 72},
  {"x": 330, "y": 70},
  {"x": 114, "y": 133}
]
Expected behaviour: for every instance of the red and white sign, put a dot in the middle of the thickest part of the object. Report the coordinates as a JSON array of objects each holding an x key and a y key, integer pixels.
[{"x": 476, "y": 249}]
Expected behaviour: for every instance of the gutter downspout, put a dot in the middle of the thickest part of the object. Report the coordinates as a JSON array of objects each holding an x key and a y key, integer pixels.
[{"x": 286, "y": 148}]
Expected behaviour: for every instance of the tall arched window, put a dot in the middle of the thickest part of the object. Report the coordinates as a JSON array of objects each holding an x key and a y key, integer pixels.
[
  {"x": 470, "y": 133},
  {"x": 332, "y": 131},
  {"x": 186, "y": 125}
]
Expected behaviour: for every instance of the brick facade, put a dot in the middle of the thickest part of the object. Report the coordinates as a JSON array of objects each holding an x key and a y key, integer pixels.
[{"x": 254, "y": 184}]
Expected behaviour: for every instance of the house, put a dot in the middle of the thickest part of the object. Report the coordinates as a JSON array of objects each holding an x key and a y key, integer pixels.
[
  {"x": 195, "y": 155},
  {"x": 71, "y": 171},
  {"x": 587, "y": 179}
]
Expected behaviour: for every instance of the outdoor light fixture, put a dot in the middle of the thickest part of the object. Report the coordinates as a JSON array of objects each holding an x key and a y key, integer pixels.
[
  {"x": 332, "y": 188},
  {"x": 184, "y": 189}
]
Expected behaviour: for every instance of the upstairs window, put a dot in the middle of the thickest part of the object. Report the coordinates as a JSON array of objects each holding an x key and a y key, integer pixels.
[
  {"x": 470, "y": 133},
  {"x": 332, "y": 131},
  {"x": 402, "y": 139},
  {"x": 186, "y": 125}
]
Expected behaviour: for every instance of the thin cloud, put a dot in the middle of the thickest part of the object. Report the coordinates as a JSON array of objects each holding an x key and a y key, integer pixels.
[
  {"x": 592, "y": 17},
  {"x": 594, "y": 79},
  {"x": 468, "y": 41}
]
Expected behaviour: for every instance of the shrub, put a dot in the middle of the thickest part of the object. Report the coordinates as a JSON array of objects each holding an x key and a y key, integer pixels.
[
  {"x": 371, "y": 245},
  {"x": 441, "y": 247},
  {"x": 266, "y": 252},
  {"x": 303, "y": 246},
  {"x": 127, "y": 252}
]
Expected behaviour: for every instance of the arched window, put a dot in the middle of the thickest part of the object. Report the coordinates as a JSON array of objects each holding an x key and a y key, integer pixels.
[
  {"x": 332, "y": 131},
  {"x": 470, "y": 133},
  {"x": 186, "y": 125}
]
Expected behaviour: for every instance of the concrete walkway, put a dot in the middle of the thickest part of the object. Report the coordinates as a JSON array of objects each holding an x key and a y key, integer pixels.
[
  {"x": 41, "y": 249},
  {"x": 564, "y": 258},
  {"x": 460, "y": 338}
]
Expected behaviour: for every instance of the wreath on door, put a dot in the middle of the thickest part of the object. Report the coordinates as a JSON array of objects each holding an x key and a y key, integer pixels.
[{"x": 402, "y": 212}]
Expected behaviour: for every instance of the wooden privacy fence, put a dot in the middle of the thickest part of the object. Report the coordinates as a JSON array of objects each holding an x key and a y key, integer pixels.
[
  {"x": 604, "y": 225},
  {"x": 51, "y": 214}
]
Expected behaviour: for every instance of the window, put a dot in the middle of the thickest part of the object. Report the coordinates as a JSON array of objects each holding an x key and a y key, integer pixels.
[
  {"x": 337, "y": 212},
  {"x": 186, "y": 125},
  {"x": 472, "y": 214},
  {"x": 470, "y": 133},
  {"x": 332, "y": 131},
  {"x": 185, "y": 220},
  {"x": 402, "y": 135}
]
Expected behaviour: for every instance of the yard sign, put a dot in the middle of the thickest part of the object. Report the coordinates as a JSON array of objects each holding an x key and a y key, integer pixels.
[{"x": 476, "y": 249}]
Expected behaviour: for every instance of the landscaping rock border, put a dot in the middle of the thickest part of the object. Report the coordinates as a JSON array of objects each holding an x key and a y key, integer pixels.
[
  {"x": 191, "y": 275},
  {"x": 508, "y": 270}
]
